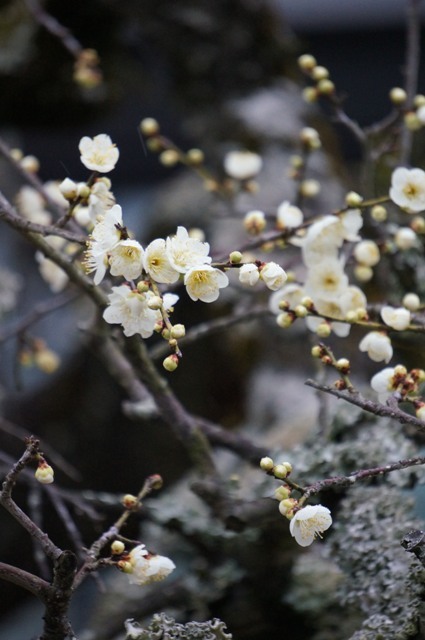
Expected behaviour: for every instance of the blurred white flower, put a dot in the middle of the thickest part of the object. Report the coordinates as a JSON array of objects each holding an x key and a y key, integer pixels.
[
  {"x": 408, "y": 189},
  {"x": 203, "y": 282},
  {"x": 293, "y": 294},
  {"x": 98, "y": 153},
  {"x": 184, "y": 252},
  {"x": 31, "y": 205},
  {"x": 382, "y": 383},
  {"x": 148, "y": 567},
  {"x": 309, "y": 522},
  {"x": 398, "y": 319},
  {"x": 273, "y": 276},
  {"x": 55, "y": 277},
  {"x": 242, "y": 165},
  {"x": 377, "y": 345},
  {"x": 327, "y": 279},
  {"x": 288, "y": 216}
]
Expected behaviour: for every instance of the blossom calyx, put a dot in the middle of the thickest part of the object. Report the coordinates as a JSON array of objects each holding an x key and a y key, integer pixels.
[{"x": 44, "y": 472}]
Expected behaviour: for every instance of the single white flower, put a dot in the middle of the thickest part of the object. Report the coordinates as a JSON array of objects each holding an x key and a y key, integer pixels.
[
  {"x": 326, "y": 279},
  {"x": 367, "y": 253},
  {"x": 408, "y": 189},
  {"x": 323, "y": 239},
  {"x": 398, "y": 319},
  {"x": 383, "y": 383},
  {"x": 249, "y": 274},
  {"x": 101, "y": 199},
  {"x": 98, "y": 153},
  {"x": 184, "y": 252},
  {"x": 309, "y": 522},
  {"x": 242, "y": 165},
  {"x": 273, "y": 276},
  {"x": 126, "y": 259},
  {"x": 31, "y": 205},
  {"x": 405, "y": 238},
  {"x": 107, "y": 230},
  {"x": 377, "y": 345},
  {"x": 130, "y": 309},
  {"x": 148, "y": 567},
  {"x": 157, "y": 264},
  {"x": 351, "y": 222},
  {"x": 55, "y": 277},
  {"x": 288, "y": 216},
  {"x": 203, "y": 282}
]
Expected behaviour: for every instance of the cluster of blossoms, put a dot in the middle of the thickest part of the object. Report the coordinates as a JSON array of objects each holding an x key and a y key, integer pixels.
[
  {"x": 141, "y": 566},
  {"x": 306, "y": 522}
]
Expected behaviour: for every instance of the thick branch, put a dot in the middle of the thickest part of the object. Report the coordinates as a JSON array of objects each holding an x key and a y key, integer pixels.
[{"x": 24, "y": 579}]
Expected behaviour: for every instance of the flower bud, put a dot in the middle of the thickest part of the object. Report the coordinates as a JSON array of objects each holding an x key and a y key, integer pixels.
[
  {"x": 169, "y": 157},
  {"x": 343, "y": 365},
  {"x": 235, "y": 257},
  {"x": 280, "y": 471},
  {"x": 155, "y": 303},
  {"x": 319, "y": 73},
  {"x": 379, "y": 213},
  {"x": 411, "y": 301},
  {"x": 195, "y": 156},
  {"x": 171, "y": 363},
  {"x": 149, "y": 127},
  {"x": 398, "y": 96},
  {"x": 178, "y": 331},
  {"x": 326, "y": 87},
  {"x": 44, "y": 472},
  {"x": 309, "y": 188},
  {"x": 282, "y": 493},
  {"x": 324, "y": 330},
  {"x": 266, "y": 464},
  {"x": 307, "y": 62},
  {"x": 30, "y": 164},
  {"x": 68, "y": 189},
  {"x": 255, "y": 222},
  {"x": 117, "y": 547},
  {"x": 285, "y": 319},
  {"x": 353, "y": 199},
  {"x": 129, "y": 501}
]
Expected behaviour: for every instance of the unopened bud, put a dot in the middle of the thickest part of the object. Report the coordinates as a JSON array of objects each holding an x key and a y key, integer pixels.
[
  {"x": 282, "y": 493},
  {"x": 307, "y": 62},
  {"x": 117, "y": 547},
  {"x": 379, "y": 213},
  {"x": 353, "y": 199},
  {"x": 280, "y": 471},
  {"x": 149, "y": 127},
  {"x": 195, "y": 156},
  {"x": 398, "y": 96},
  {"x": 171, "y": 363},
  {"x": 129, "y": 501},
  {"x": 30, "y": 164},
  {"x": 169, "y": 157},
  {"x": 319, "y": 73},
  {"x": 266, "y": 464},
  {"x": 155, "y": 303},
  {"x": 235, "y": 257},
  {"x": 254, "y": 222},
  {"x": 343, "y": 365},
  {"x": 324, "y": 330},
  {"x": 44, "y": 473},
  {"x": 178, "y": 331}
]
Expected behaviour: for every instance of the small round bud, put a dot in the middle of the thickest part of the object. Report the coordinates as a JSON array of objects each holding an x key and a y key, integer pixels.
[
  {"x": 411, "y": 301},
  {"x": 255, "y": 222},
  {"x": 149, "y": 127},
  {"x": 129, "y": 501},
  {"x": 83, "y": 190},
  {"x": 379, "y": 213},
  {"x": 178, "y": 331},
  {"x": 309, "y": 188},
  {"x": 400, "y": 371},
  {"x": 68, "y": 189},
  {"x": 296, "y": 161},
  {"x": 16, "y": 154},
  {"x": 309, "y": 94},
  {"x": 280, "y": 471},
  {"x": 353, "y": 199},
  {"x": 324, "y": 330},
  {"x": 171, "y": 363},
  {"x": 308, "y": 303},
  {"x": 284, "y": 305},
  {"x": 125, "y": 566},
  {"x": 169, "y": 157},
  {"x": 143, "y": 286},
  {"x": 44, "y": 473},
  {"x": 195, "y": 156},
  {"x": 307, "y": 62},
  {"x": 326, "y": 87},
  {"x": 316, "y": 351},
  {"x": 343, "y": 365},
  {"x": 363, "y": 273},
  {"x": 235, "y": 257},
  {"x": 367, "y": 253},
  {"x": 285, "y": 319},
  {"x": 418, "y": 224},
  {"x": 412, "y": 121},
  {"x": 117, "y": 547},
  {"x": 310, "y": 138},
  {"x": 155, "y": 303},
  {"x": 301, "y": 311},
  {"x": 288, "y": 467},
  {"x": 266, "y": 464},
  {"x": 287, "y": 505},
  {"x": 419, "y": 100},
  {"x": 405, "y": 238},
  {"x": 156, "y": 482},
  {"x": 398, "y": 96},
  {"x": 282, "y": 493},
  {"x": 361, "y": 314},
  {"x": 172, "y": 343},
  {"x": 319, "y": 73},
  {"x": 30, "y": 164},
  {"x": 46, "y": 360},
  {"x": 155, "y": 144}
]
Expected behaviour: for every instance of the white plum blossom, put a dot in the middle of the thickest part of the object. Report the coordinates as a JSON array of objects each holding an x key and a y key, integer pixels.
[
  {"x": 104, "y": 238},
  {"x": 101, "y": 199},
  {"x": 367, "y": 252},
  {"x": 148, "y": 567},
  {"x": 377, "y": 345},
  {"x": 157, "y": 264},
  {"x": 396, "y": 318},
  {"x": 408, "y": 189},
  {"x": 98, "y": 153},
  {"x": 242, "y": 165},
  {"x": 273, "y": 276},
  {"x": 288, "y": 216},
  {"x": 31, "y": 205},
  {"x": 309, "y": 522},
  {"x": 184, "y": 252},
  {"x": 249, "y": 274},
  {"x": 383, "y": 383},
  {"x": 130, "y": 308},
  {"x": 351, "y": 222},
  {"x": 326, "y": 279},
  {"x": 203, "y": 282},
  {"x": 126, "y": 259},
  {"x": 323, "y": 238}
]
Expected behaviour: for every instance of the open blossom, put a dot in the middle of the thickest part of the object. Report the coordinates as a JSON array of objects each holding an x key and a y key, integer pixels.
[
  {"x": 398, "y": 319},
  {"x": 288, "y": 216},
  {"x": 203, "y": 282},
  {"x": 184, "y": 252},
  {"x": 377, "y": 345},
  {"x": 326, "y": 279},
  {"x": 383, "y": 383},
  {"x": 148, "y": 567},
  {"x": 126, "y": 259},
  {"x": 98, "y": 153},
  {"x": 157, "y": 264},
  {"x": 55, "y": 277},
  {"x": 104, "y": 238},
  {"x": 242, "y": 165},
  {"x": 249, "y": 274},
  {"x": 130, "y": 309},
  {"x": 309, "y": 522},
  {"x": 408, "y": 189},
  {"x": 273, "y": 276}
]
